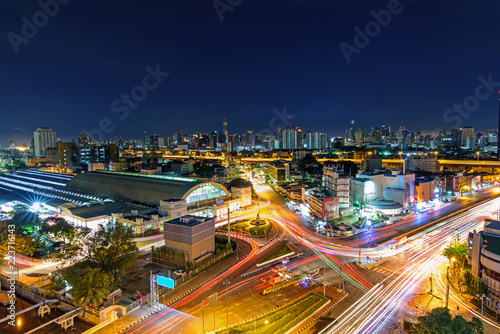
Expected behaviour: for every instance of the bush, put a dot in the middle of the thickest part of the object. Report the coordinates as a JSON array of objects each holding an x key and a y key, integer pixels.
[{"x": 283, "y": 250}]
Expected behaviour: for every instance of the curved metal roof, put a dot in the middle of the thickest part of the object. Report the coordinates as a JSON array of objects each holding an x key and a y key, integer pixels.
[{"x": 138, "y": 187}]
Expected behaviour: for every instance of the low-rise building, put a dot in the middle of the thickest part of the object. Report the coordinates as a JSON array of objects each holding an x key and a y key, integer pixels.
[
  {"x": 420, "y": 162},
  {"x": 192, "y": 235},
  {"x": 279, "y": 173},
  {"x": 243, "y": 193},
  {"x": 338, "y": 185},
  {"x": 320, "y": 203}
]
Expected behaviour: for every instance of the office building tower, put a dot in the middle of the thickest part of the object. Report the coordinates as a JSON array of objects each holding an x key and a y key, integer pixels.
[
  {"x": 178, "y": 136},
  {"x": 351, "y": 132},
  {"x": 83, "y": 139},
  {"x": 44, "y": 138},
  {"x": 224, "y": 131},
  {"x": 467, "y": 131}
]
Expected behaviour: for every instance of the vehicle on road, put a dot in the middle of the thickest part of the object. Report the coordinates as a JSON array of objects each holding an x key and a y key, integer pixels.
[
  {"x": 180, "y": 272},
  {"x": 139, "y": 297}
]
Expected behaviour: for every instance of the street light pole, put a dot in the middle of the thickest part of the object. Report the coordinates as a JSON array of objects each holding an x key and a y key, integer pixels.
[
  {"x": 447, "y": 286},
  {"x": 324, "y": 280}
]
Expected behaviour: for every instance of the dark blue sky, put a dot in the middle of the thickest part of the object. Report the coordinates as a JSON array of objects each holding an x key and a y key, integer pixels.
[{"x": 263, "y": 55}]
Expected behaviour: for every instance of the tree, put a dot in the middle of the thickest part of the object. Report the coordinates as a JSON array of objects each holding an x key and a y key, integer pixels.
[
  {"x": 89, "y": 285},
  {"x": 26, "y": 222},
  {"x": 474, "y": 286},
  {"x": 439, "y": 320},
  {"x": 110, "y": 249},
  {"x": 57, "y": 228},
  {"x": 457, "y": 251}
]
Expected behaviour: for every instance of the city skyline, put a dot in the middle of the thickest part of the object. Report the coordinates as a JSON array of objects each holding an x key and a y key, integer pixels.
[{"x": 230, "y": 70}]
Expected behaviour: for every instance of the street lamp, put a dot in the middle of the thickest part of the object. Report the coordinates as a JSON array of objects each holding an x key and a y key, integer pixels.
[{"x": 482, "y": 303}]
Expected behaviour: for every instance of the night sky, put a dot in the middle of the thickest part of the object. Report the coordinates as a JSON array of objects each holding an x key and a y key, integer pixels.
[{"x": 262, "y": 55}]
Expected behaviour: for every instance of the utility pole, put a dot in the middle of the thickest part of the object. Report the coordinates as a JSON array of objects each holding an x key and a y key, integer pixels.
[
  {"x": 228, "y": 223},
  {"x": 324, "y": 280}
]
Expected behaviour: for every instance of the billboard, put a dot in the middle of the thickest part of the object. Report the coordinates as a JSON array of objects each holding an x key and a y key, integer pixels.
[{"x": 165, "y": 281}]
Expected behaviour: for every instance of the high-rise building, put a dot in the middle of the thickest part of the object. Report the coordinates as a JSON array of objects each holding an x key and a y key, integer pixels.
[
  {"x": 44, "y": 138},
  {"x": 251, "y": 139},
  {"x": 351, "y": 132},
  {"x": 299, "y": 139},
  {"x": 456, "y": 137},
  {"x": 152, "y": 142},
  {"x": 224, "y": 131},
  {"x": 386, "y": 131},
  {"x": 360, "y": 135},
  {"x": 178, "y": 136},
  {"x": 68, "y": 155},
  {"x": 467, "y": 131},
  {"x": 377, "y": 138},
  {"x": 83, "y": 139}
]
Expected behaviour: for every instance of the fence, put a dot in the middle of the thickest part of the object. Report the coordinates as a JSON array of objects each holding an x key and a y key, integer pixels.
[{"x": 204, "y": 265}]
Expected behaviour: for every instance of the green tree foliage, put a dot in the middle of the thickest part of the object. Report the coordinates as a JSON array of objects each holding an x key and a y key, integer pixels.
[
  {"x": 439, "y": 320},
  {"x": 110, "y": 249},
  {"x": 26, "y": 222},
  {"x": 474, "y": 286},
  {"x": 89, "y": 285},
  {"x": 457, "y": 251},
  {"x": 57, "y": 228}
]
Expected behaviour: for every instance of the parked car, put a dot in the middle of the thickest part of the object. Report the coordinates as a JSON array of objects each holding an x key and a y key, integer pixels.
[{"x": 180, "y": 272}]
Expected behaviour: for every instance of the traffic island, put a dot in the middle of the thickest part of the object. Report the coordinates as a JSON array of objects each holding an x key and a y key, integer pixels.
[
  {"x": 280, "y": 253},
  {"x": 282, "y": 319}
]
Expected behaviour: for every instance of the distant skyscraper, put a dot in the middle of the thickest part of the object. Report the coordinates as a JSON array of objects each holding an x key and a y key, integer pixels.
[
  {"x": 386, "y": 131},
  {"x": 44, "y": 138},
  {"x": 376, "y": 135},
  {"x": 251, "y": 138},
  {"x": 299, "y": 138},
  {"x": 360, "y": 135},
  {"x": 152, "y": 142},
  {"x": 224, "y": 131},
  {"x": 179, "y": 137},
  {"x": 351, "y": 132},
  {"x": 83, "y": 139},
  {"x": 467, "y": 132}
]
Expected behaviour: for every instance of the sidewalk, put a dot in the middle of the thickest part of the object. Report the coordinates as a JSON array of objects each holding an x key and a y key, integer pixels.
[{"x": 127, "y": 321}]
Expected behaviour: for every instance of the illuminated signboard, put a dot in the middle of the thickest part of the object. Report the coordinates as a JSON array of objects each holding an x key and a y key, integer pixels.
[{"x": 165, "y": 281}]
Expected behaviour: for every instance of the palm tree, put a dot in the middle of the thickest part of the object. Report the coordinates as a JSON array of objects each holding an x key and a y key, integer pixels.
[{"x": 92, "y": 284}]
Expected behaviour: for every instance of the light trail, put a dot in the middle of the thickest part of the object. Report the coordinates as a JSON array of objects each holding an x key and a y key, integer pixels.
[{"x": 371, "y": 313}]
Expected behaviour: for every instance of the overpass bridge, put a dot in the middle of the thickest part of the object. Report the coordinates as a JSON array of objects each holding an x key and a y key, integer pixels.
[{"x": 486, "y": 165}]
